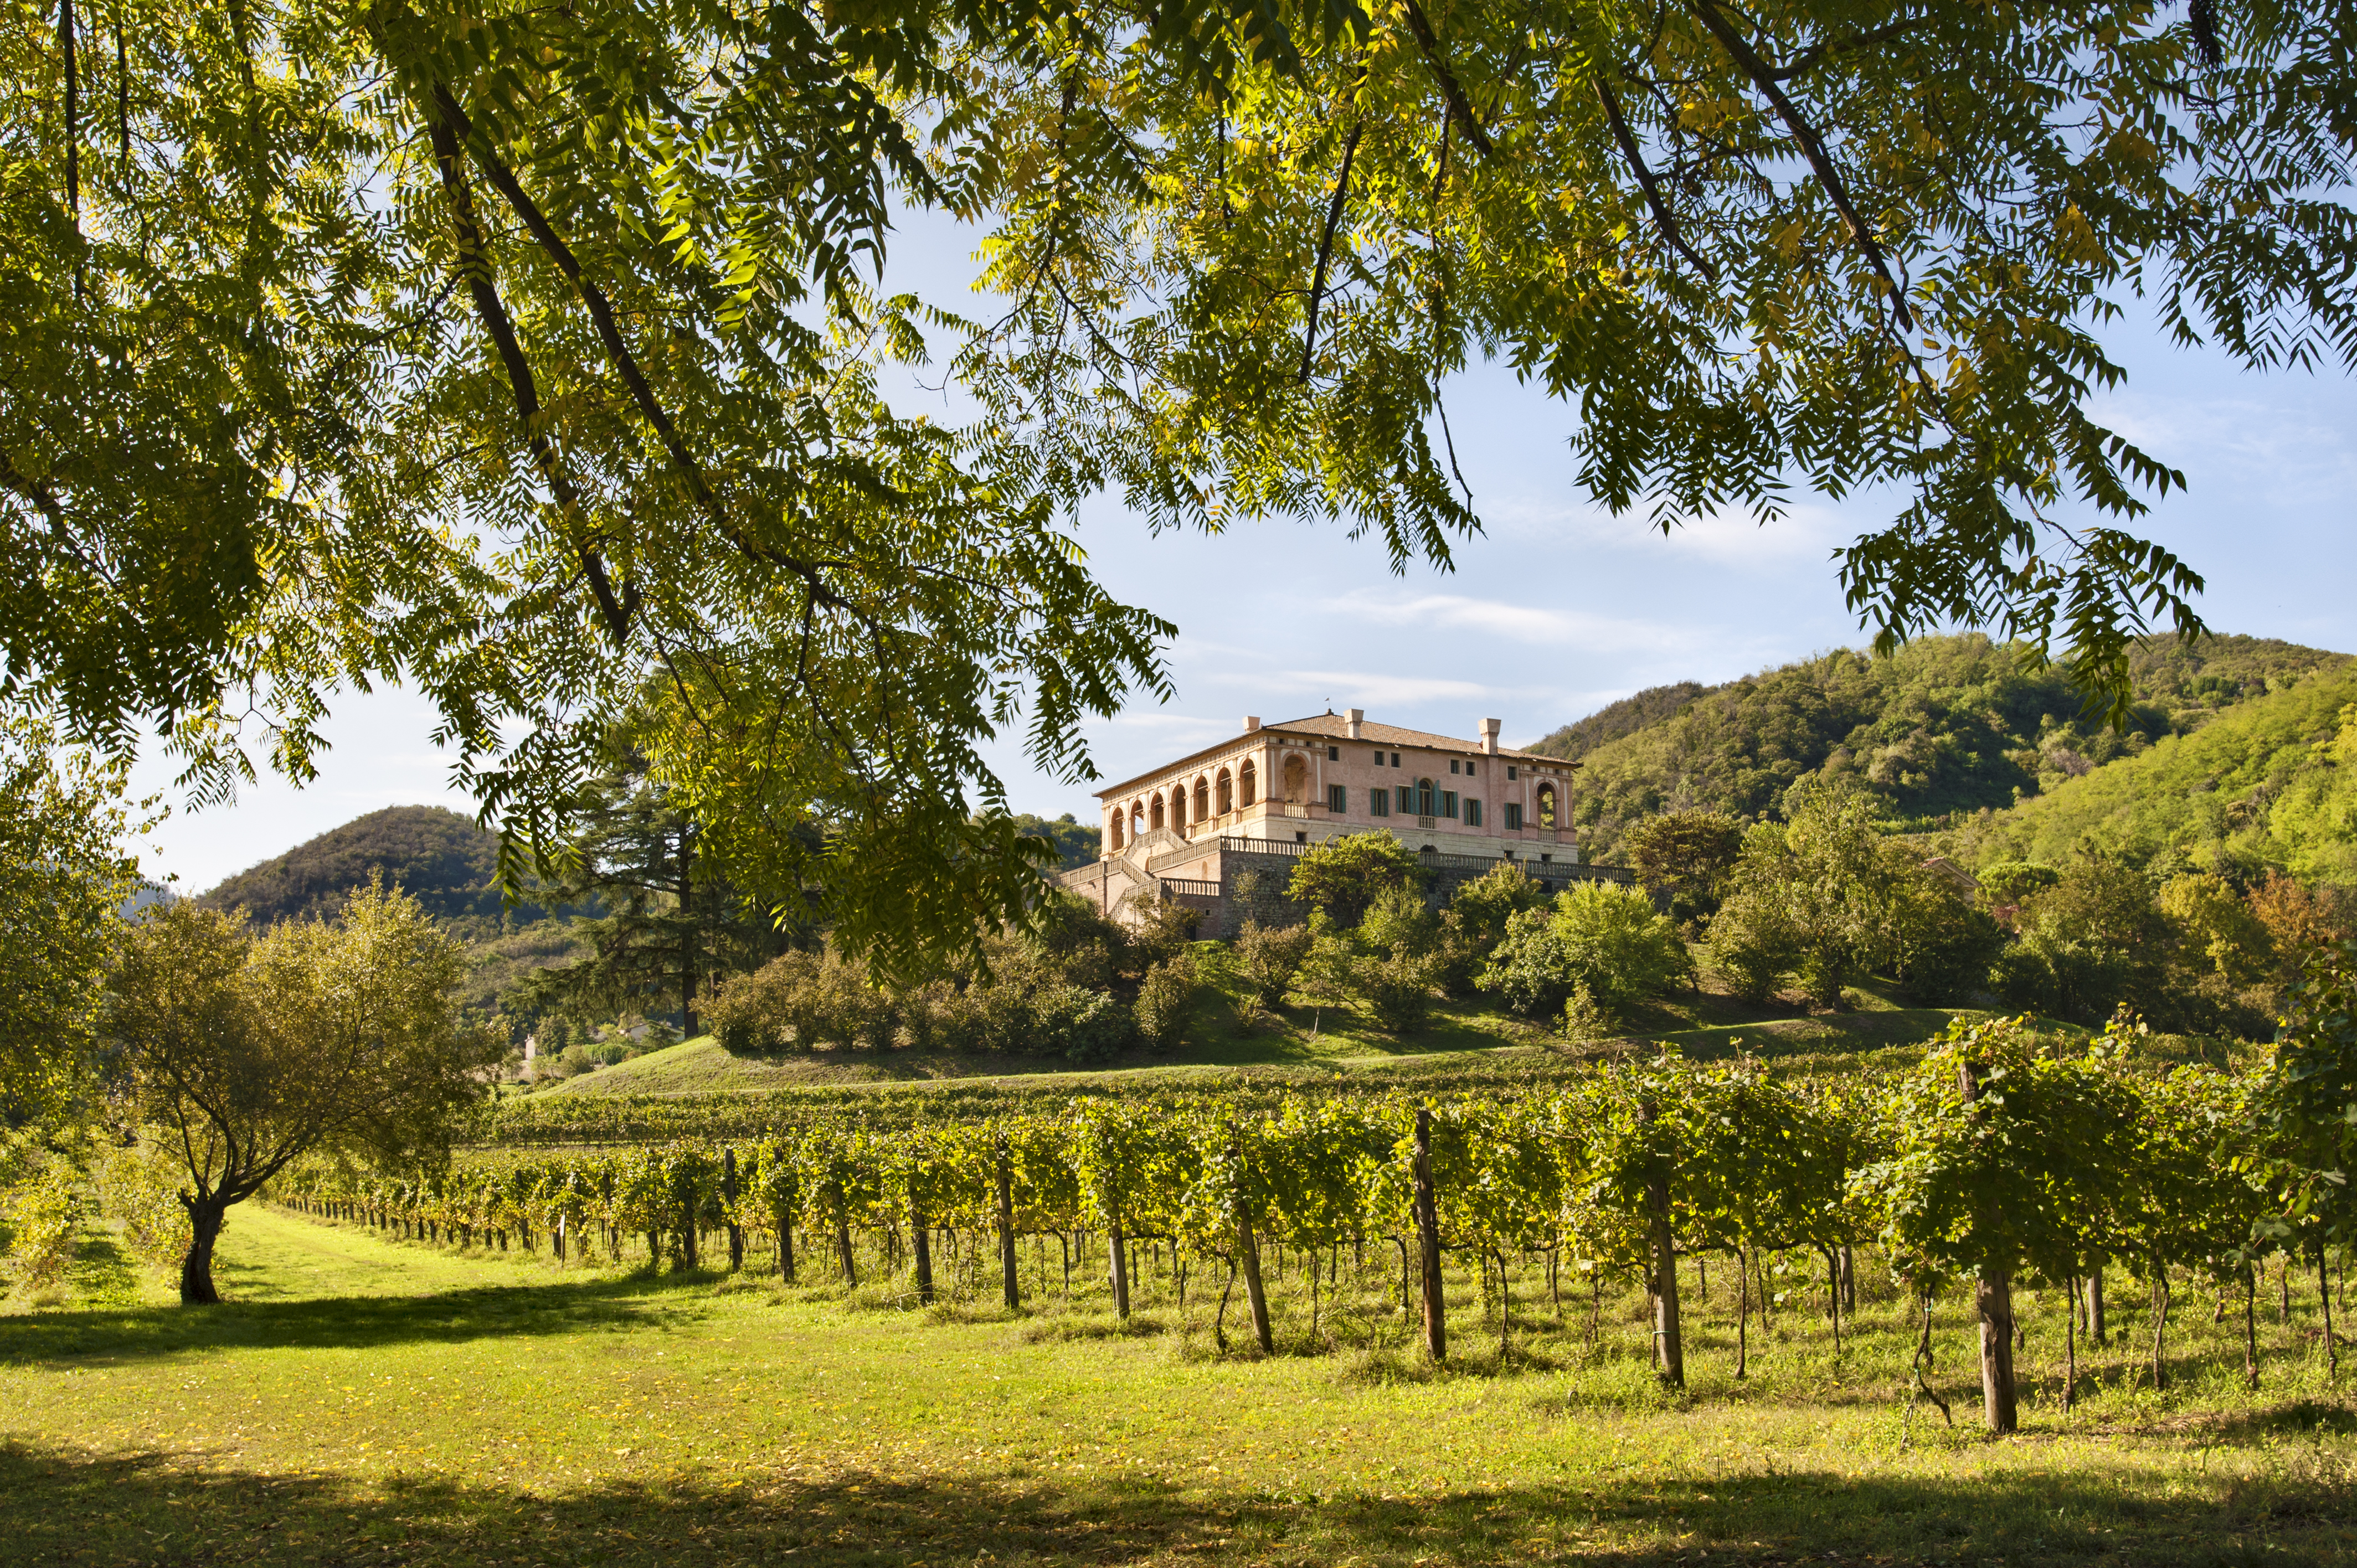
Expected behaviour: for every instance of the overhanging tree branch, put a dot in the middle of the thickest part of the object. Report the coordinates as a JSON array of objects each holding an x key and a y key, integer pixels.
[
  {"x": 1653, "y": 198},
  {"x": 1812, "y": 148},
  {"x": 1325, "y": 246},
  {"x": 474, "y": 263},
  {"x": 1462, "y": 111}
]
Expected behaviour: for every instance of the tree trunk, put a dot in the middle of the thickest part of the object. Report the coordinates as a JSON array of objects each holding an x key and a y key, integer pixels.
[
  {"x": 1117, "y": 1246},
  {"x": 1849, "y": 1280},
  {"x": 1742, "y": 1317},
  {"x": 843, "y": 1251},
  {"x": 206, "y": 1217},
  {"x": 1994, "y": 1299},
  {"x": 2160, "y": 1324},
  {"x": 2071, "y": 1352},
  {"x": 785, "y": 1218},
  {"x": 2250, "y": 1325},
  {"x": 2095, "y": 1332},
  {"x": 924, "y": 1251},
  {"x": 1666, "y": 1332},
  {"x": 1833, "y": 1292},
  {"x": 728, "y": 1196},
  {"x": 1427, "y": 1230},
  {"x": 1248, "y": 1253},
  {"x": 2331, "y": 1344},
  {"x": 1006, "y": 1228}
]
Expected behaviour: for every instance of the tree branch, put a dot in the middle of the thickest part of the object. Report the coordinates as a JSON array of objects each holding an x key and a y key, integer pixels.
[
  {"x": 1812, "y": 148},
  {"x": 1660, "y": 204},
  {"x": 475, "y": 264},
  {"x": 1809, "y": 58},
  {"x": 1325, "y": 246},
  {"x": 1462, "y": 111},
  {"x": 601, "y": 313}
]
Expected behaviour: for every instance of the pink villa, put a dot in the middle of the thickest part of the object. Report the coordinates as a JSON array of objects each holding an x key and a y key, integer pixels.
[{"x": 1253, "y": 804}]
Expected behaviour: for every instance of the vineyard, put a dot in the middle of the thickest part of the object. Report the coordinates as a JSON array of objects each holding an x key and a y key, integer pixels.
[{"x": 2003, "y": 1155}]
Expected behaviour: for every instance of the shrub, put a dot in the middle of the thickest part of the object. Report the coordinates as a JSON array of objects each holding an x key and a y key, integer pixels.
[
  {"x": 1751, "y": 946},
  {"x": 1401, "y": 924},
  {"x": 1396, "y": 989},
  {"x": 775, "y": 1006},
  {"x": 1268, "y": 957},
  {"x": 1610, "y": 938},
  {"x": 42, "y": 1215},
  {"x": 1166, "y": 1003},
  {"x": 143, "y": 1194},
  {"x": 1079, "y": 1025},
  {"x": 1346, "y": 874}
]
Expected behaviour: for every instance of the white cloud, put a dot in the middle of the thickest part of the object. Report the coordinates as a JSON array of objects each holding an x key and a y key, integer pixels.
[{"x": 1513, "y": 623}]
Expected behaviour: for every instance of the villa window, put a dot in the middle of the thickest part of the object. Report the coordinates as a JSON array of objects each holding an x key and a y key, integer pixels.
[
  {"x": 1424, "y": 797},
  {"x": 1472, "y": 812},
  {"x": 1406, "y": 793},
  {"x": 1512, "y": 773},
  {"x": 1449, "y": 802},
  {"x": 1338, "y": 800},
  {"x": 1513, "y": 816},
  {"x": 1379, "y": 802},
  {"x": 1333, "y": 754},
  {"x": 1454, "y": 764},
  {"x": 1547, "y": 807}
]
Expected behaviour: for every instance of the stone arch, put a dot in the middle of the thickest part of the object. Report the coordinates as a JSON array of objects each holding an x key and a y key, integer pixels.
[
  {"x": 1227, "y": 796},
  {"x": 1153, "y": 811},
  {"x": 1136, "y": 819},
  {"x": 1247, "y": 784},
  {"x": 1296, "y": 778},
  {"x": 1112, "y": 831},
  {"x": 1549, "y": 817},
  {"x": 1203, "y": 797}
]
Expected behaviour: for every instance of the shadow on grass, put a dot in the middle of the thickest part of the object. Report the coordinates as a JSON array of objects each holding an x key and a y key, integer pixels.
[
  {"x": 116, "y": 1333},
  {"x": 58, "y": 1506}
]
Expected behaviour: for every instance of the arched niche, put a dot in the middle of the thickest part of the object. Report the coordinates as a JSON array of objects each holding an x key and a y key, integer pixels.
[
  {"x": 1226, "y": 787},
  {"x": 1153, "y": 811},
  {"x": 1296, "y": 778},
  {"x": 1247, "y": 784}
]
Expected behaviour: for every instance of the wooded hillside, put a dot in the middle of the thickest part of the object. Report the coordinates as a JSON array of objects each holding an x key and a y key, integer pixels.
[
  {"x": 442, "y": 859},
  {"x": 2272, "y": 782},
  {"x": 1949, "y": 725}
]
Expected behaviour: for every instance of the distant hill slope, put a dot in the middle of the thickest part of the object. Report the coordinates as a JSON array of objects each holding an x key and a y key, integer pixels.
[
  {"x": 2270, "y": 782},
  {"x": 441, "y": 858},
  {"x": 1949, "y": 725}
]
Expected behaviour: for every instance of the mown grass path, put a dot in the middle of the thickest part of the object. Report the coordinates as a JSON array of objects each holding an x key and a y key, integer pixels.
[{"x": 362, "y": 1402}]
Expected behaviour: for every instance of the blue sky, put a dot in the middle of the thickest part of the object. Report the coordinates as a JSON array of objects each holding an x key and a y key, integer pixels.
[{"x": 1556, "y": 610}]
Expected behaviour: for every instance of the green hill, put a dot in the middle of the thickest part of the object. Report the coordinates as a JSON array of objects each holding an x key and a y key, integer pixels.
[
  {"x": 442, "y": 859},
  {"x": 2272, "y": 782},
  {"x": 1948, "y": 726}
]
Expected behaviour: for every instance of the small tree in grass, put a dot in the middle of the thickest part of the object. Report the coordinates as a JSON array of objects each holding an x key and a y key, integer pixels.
[
  {"x": 250, "y": 1053},
  {"x": 2006, "y": 1158}
]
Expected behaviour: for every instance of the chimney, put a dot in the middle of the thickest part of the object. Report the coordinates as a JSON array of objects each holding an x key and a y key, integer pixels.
[
  {"x": 1252, "y": 722},
  {"x": 1354, "y": 721},
  {"x": 1490, "y": 737}
]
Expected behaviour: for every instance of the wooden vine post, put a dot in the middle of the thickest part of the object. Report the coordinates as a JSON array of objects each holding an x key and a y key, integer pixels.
[
  {"x": 728, "y": 1196},
  {"x": 1248, "y": 1253},
  {"x": 1427, "y": 1235},
  {"x": 1667, "y": 1335},
  {"x": 1993, "y": 1295},
  {"x": 1005, "y": 1173},
  {"x": 922, "y": 1243}
]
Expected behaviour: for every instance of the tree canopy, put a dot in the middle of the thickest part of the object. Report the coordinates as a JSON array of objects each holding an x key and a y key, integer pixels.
[{"x": 530, "y": 354}]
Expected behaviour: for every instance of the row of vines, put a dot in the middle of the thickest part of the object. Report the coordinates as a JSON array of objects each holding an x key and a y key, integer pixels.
[{"x": 2006, "y": 1152}]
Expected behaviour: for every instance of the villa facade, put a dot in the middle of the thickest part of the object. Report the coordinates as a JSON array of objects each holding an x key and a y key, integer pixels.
[{"x": 1253, "y": 802}]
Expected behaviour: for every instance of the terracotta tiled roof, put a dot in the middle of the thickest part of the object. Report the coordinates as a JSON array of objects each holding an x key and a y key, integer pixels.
[{"x": 1334, "y": 727}]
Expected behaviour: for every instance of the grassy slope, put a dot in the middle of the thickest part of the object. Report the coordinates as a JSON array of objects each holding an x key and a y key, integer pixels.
[
  {"x": 1705, "y": 1024},
  {"x": 364, "y": 1401},
  {"x": 2250, "y": 782}
]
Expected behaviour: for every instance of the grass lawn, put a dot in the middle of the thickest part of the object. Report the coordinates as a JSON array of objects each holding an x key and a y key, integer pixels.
[{"x": 364, "y": 1401}]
